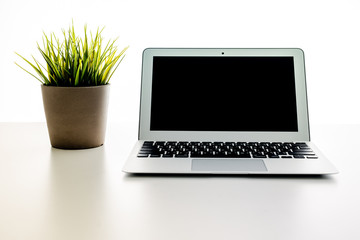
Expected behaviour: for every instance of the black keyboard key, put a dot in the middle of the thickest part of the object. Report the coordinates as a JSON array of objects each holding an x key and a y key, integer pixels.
[
  {"x": 200, "y": 154},
  {"x": 171, "y": 143},
  {"x": 155, "y": 155},
  {"x": 168, "y": 155},
  {"x": 145, "y": 152},
  {"x": 232, "y": 144},
  {"x": 142, "y": 155},
  {"x": 302, "y": 153},
  {"x": 159, "y": 143},
  {"x": 182, "y": 155},
  {"x": 195, "y": 144},
  {"x": 259, "y": 155},
  {"x": 301, "y": 144},
  {"x": 302, "y": 150}
]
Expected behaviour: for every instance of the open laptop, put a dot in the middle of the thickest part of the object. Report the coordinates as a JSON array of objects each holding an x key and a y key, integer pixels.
[{"x": 224, "y": 111}]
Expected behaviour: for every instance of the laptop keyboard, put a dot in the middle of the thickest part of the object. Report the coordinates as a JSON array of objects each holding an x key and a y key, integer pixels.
[{"x": 172, "y": 149}]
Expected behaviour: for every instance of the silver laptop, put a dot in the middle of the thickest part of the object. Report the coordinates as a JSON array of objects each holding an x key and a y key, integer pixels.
[{"x": 224, "y": 111}]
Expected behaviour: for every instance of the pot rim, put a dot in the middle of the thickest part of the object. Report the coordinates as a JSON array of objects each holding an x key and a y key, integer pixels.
[{"x": 97, "y": 86}]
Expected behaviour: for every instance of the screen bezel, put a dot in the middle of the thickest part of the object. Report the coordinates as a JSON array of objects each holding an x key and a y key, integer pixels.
[{"x": 146, "y": 89}]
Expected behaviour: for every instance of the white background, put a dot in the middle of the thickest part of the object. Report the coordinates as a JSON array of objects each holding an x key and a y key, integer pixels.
[{"x": 327, "y": 30}]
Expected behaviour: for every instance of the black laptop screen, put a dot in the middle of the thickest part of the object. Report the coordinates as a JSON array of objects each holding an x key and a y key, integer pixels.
[{"x": 223, "y": 94}]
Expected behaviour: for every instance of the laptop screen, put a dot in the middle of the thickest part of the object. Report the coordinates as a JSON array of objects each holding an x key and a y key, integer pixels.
[{"x": 223, "y": 93}]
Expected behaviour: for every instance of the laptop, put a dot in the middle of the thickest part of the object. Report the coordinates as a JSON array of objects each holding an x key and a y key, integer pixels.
[{"x": 224, "y": 111}]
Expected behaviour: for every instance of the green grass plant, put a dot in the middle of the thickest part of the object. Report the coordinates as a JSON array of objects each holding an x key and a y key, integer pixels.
[{"x": 76, "y": 61}]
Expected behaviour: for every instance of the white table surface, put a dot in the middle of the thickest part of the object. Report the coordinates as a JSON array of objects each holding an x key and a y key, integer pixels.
[{"x": 52, "y": 194}]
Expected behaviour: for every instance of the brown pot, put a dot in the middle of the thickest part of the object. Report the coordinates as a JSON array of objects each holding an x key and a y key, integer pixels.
[{"x": 76, "y": 116}]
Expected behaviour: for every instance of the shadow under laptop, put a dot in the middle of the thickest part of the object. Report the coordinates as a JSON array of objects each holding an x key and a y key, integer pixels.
[{"x": 230, "y": 176}]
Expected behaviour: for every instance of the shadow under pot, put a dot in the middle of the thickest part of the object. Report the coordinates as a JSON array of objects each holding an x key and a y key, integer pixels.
[{"x": 76, "y": 116}]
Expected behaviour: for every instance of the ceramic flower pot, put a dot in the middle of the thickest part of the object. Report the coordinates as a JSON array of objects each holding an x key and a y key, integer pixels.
[{"x": 76, "y": 116}]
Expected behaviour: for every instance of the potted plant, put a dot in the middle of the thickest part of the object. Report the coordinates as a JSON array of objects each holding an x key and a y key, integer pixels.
[{"x": 75, "y": 86}]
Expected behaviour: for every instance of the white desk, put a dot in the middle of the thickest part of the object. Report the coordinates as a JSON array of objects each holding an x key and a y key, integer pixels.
[{"x": 51, "y": 194}]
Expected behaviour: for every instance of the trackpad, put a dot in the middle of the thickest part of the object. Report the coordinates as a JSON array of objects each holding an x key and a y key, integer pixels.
[{"x": 228, "y": 165}]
